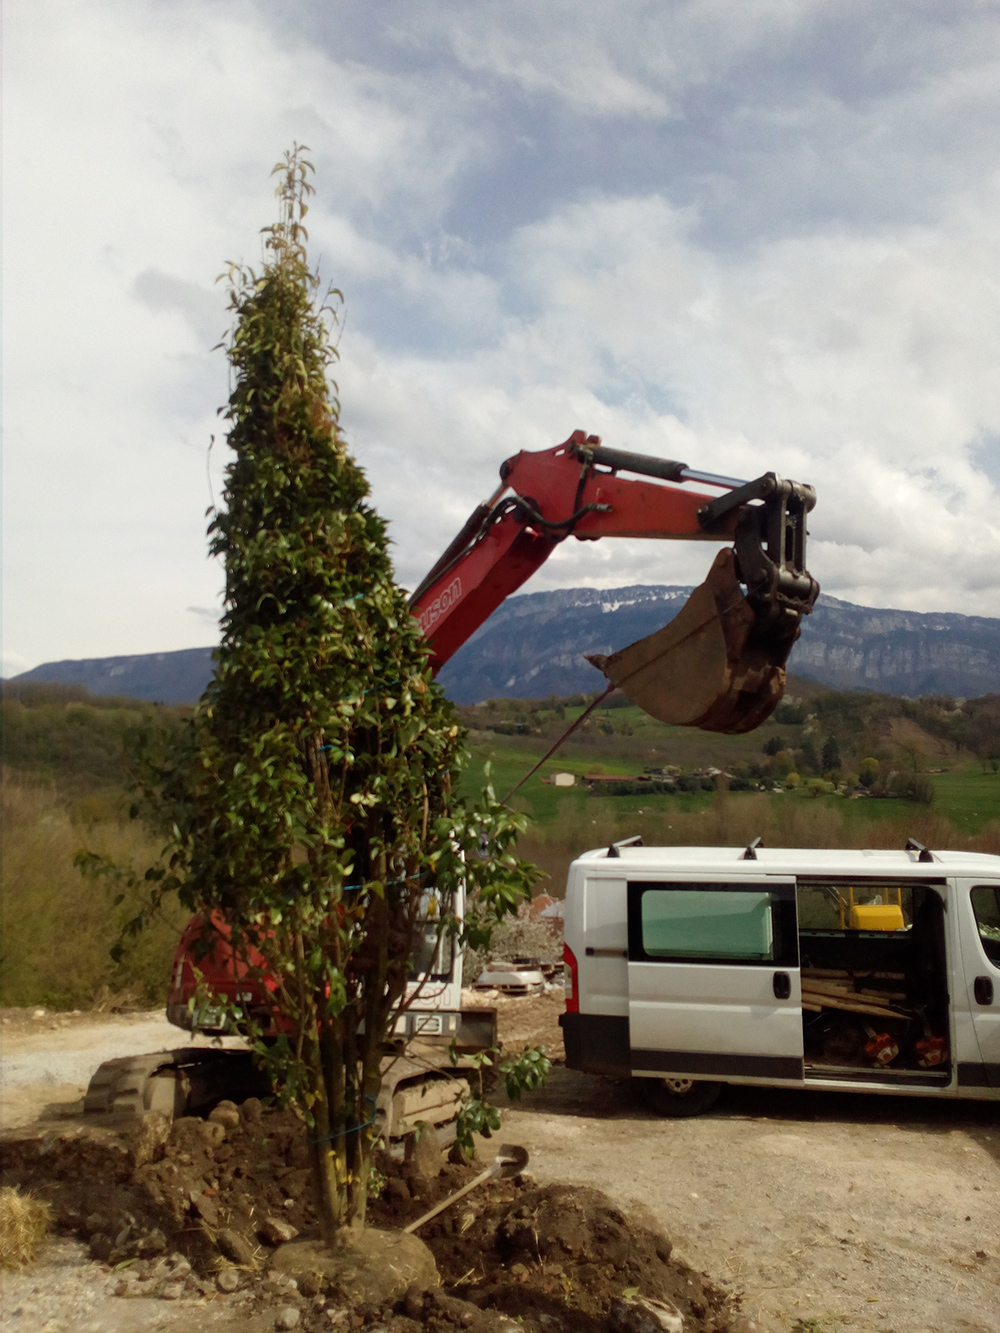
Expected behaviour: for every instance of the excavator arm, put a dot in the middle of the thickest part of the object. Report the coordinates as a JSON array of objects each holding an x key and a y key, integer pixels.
[{"x": 720, "y": 663}]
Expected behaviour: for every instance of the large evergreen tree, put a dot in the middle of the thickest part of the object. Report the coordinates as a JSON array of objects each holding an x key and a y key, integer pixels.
[{"x": 315, "y": 808}]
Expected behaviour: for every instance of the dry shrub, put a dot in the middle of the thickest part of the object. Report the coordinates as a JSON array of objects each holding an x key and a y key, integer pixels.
[
  {"x": 24, "y": 1224},
  {"x": 124, "y": 1001},
  {"x": 59, "y": 928},
  {"x": 987, "y": 840}
]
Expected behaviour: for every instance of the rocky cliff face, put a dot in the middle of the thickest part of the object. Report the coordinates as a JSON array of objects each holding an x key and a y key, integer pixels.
[
  {"x": 899, "y": 652},
  {"x": 533, "y": 645}
]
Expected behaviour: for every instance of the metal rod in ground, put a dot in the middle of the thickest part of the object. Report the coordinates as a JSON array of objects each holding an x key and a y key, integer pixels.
[{"x": 566, "y": 734}]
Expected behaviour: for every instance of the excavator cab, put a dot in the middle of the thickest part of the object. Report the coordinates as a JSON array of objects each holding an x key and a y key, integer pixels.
[{"x": 720, "y": 663}]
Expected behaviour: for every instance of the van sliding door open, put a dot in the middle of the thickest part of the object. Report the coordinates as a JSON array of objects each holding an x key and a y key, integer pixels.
[{"x": 713, "y": 978}]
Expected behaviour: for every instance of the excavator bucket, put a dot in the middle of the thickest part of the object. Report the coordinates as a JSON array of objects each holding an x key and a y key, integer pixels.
[{"x": 715, "y": 666}]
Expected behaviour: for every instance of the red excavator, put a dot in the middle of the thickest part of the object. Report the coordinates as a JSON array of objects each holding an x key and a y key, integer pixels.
[{"x": 718, "y": 665}]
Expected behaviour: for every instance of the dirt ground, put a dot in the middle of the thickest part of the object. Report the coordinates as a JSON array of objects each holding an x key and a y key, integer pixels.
[
  {"x": 47, "y": 1058},
  {"x": 824, "y": 1211}
]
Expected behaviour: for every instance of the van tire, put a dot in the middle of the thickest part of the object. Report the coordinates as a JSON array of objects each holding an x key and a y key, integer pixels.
[{"x": 677, "y": 1097}]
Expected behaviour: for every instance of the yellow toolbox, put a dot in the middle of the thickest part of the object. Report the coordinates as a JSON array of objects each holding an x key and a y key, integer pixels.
[{"x": 877, "y": 916}]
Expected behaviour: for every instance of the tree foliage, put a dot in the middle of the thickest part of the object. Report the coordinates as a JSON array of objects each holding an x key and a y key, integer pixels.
[
  {"x": 312, "y": 807},
  {"x": 830, "y": 758},
  {"x": 73, "y": 737}
]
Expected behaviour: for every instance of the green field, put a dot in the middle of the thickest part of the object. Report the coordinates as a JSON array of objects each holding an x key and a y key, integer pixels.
[
  {"x": 965, "y": 795},
  {"x": 566, "y": 821}
]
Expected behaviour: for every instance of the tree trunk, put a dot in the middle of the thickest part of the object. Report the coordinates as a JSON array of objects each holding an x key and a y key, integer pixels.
[{"x": 330, "y": 1200}]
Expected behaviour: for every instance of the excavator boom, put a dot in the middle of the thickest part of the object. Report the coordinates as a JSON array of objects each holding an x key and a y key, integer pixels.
[{"x": 720, "y": 664}]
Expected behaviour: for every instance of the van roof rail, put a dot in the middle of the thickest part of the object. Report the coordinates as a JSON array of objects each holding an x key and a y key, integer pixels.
[
  {"x": 751, "y": 852},
  {"x": 913, "y": 846},
  {"x": 625, "y": 842}
]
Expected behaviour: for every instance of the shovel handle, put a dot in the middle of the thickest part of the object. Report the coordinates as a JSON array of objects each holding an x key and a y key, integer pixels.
[
  {"x": 516, "y": 1160},
  {"x": 453, "y": 1198}
]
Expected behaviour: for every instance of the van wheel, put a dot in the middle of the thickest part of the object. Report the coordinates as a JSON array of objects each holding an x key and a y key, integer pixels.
[{"x": 680, "y": 1096}]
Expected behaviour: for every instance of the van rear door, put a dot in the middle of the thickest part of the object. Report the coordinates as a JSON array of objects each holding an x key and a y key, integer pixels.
[
  {"x": 713, "y": 978},
  {"x": 979, "y": 927}
]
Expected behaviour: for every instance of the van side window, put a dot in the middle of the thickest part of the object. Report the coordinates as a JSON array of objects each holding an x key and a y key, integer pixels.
[
  {"x": 986, "y": 905},
  {"x": 835, "y": 904},
  {"x": 712, "y": 923}
]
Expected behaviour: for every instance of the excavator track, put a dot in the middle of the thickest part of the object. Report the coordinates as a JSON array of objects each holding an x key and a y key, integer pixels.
[
  {"x": 174, "y": 1083},
  {"x": 425, "y": 1087},
  {"x": 135, "y": 1085}
]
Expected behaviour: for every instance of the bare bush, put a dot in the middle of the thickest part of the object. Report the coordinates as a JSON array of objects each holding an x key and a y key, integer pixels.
[{"x": 517, "y": 937}]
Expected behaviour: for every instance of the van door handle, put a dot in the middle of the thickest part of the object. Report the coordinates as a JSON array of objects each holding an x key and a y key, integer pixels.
[
  {"x": 782, "y": 985},
  {"x": 982, "y": 988}
]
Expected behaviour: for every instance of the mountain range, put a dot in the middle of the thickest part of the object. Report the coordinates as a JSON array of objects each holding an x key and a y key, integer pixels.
[{"x": 532, "y": 646}]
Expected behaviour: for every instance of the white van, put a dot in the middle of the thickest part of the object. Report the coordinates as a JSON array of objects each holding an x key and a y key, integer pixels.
[{"x": 861, "y": 971}]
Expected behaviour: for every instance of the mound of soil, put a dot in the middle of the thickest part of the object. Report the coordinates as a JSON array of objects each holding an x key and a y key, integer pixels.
[
  {"x": 202, "y": 1188},
  {"x": 198, "y": 1207},
  {"x": 560, "y": 1257}
]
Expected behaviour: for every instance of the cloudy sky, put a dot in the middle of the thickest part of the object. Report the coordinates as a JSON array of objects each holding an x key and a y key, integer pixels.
[{"x": 752, "y": 236}]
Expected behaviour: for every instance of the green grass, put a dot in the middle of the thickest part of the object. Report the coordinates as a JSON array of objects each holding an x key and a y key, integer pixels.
[
  {"x": 641, "y": 740},
  {"x": 968, "y": 796},
  {"x": 511, "y": 761},
  {"x": 568, "y": 821}
]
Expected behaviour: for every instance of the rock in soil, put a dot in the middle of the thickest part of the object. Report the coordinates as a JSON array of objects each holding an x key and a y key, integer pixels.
[
  {"x": 226, "y": 1114},
  {"x": 557, "y": 1258},
  {"x": 203, "y": 1191},
  {"x": 235, "y": 1247},
  {"x": 276, "y": 1231},
  {"x": 644, "y": 1316},
  {"x": 423, "y": 1154},
  {"x": 369, "y": 1267},
  {"x": 192, "y": 1135}
]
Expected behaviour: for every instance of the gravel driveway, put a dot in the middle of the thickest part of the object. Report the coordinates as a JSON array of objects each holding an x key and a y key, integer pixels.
[
  {"x": 826, "y": 1211},
  {"x": 47, "y": 1059}
]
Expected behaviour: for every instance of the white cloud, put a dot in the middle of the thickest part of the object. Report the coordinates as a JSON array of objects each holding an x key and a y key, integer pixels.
[
  {"x": 861, "y": 364},
  {"x": 138, "y": 141},
  {"x": 632, "y": 60},
  {"x": 761, "y": 237}
]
